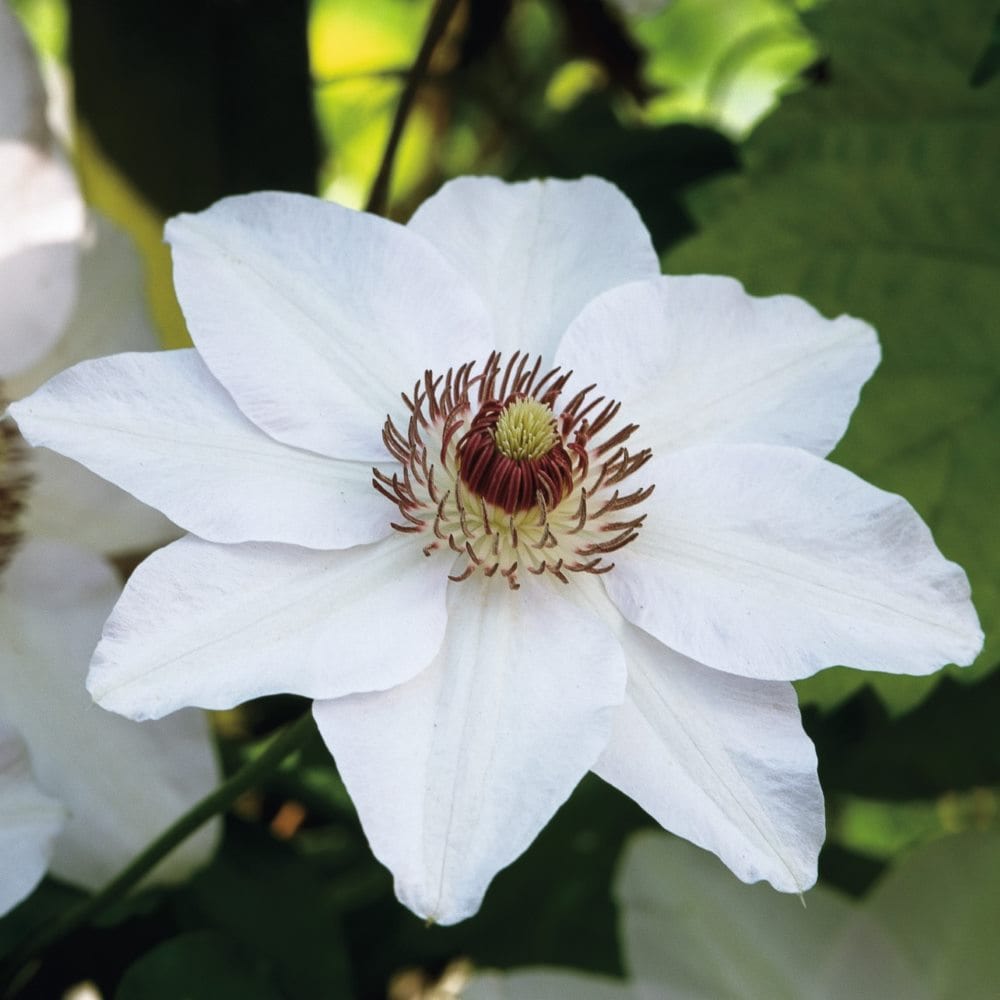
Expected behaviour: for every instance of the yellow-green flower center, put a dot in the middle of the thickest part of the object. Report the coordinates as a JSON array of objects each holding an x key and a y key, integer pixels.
[{"x": 526, "y": 429}]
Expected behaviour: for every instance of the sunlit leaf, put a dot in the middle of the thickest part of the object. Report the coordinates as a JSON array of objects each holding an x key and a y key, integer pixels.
[
  {"x": 359, "y": 54},
  {"x": 723, "y": 62}
]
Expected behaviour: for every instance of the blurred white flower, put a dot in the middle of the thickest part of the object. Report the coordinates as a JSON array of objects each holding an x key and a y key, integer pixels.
[
  {"x": 30, "y": 824},
  {"x": 536, "y": 609},
  {"x": 926, "y": 931},
  {"x": 69, "y": 289},
  {"x": 42, "y": 211},
  {"x": 640, "y": 8},
  {"x": 117, "y": 784}
]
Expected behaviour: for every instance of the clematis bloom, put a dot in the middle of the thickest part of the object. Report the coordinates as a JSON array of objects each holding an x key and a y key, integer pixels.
[
  {"x": 81, "y": 790},
  {"x": 601, "y": 534}
]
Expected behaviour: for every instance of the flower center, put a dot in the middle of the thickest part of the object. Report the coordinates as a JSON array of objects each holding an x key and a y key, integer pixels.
[
  {"x": 14, "y": 482},
  {"x": 525, "y": 429},
  {"x": 512, "y": 453},
  {"x": 497, "y": 472}
]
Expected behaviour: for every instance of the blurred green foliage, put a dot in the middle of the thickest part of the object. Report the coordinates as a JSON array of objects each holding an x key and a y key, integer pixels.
[{"x": 988, "y": 65}]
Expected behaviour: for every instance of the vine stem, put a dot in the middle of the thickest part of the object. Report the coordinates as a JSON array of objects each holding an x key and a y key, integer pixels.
[
  {"x": 14, "y": 974},
  {"x": 378, "y": 198}
]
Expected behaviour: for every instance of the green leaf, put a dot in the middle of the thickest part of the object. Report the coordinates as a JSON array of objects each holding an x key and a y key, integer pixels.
[
  {"x": 878, "y": 194},
  {"x": 947, "y": 744},
  {"x": 204, "y": 965},
  {"x": 723, "y": 62},
  {"x": 44, "y": 904},
  {"x": 276, "y": 907}
]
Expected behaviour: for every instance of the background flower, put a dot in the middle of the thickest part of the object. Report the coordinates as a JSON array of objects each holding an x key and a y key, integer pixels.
[
  {"x": 41, "y": 207},
  {"x": 32, "y": 821},
  {"x": 688, "y": 930},
  {"x": 119, "y": 784},
  {"x": 71, "y": 290}
]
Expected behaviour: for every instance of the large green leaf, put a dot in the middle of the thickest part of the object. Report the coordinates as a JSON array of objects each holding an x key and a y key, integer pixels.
[
  {"x": 204, "y": 965},
  {"x": 877, "y": 193},
  {"x": 272, "y": 905}
]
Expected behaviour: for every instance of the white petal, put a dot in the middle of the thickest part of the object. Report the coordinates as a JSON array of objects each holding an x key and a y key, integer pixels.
[
  {"x": 539, "y": 251},
  {"x": 161, "y": 427},
  {"x": 214, "y": 625},
  {"x": 942, "y": 907},
  {"x": 316, "y": 317},
  {"x": 772, "y": 563},
  {"x": 454, "y": 773},
  {"x": 691, "y": 930},
  {"x": 22, "y": 96},
  {"x": 720, "y": 760},
  {"x": 43, "y": 219},
  {"x": 110, "y": 314},
  {"x": 545, "y": 984},
  {"x": 29, "y": 819},
  {"x": 122, "y": 783},
  {"x": 696, "y": 360}
]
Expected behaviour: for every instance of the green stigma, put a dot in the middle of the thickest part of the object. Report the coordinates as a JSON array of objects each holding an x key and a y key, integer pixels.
[{"x": 526, "y": 429}]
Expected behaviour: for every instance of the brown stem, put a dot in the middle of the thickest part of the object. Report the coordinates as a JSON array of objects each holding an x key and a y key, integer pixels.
[{"x": 378, "y": 199}]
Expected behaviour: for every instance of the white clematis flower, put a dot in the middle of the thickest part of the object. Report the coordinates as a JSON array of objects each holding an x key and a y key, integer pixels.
[
  {"x": 926, "y": 931},
  {"x": 31, "y": 822},
  {"x": 41, "y": 208},
  {"x": 568, "y": 583},
  {"x": 110, "y": 786},
  {"x": 81, "y": 790}
]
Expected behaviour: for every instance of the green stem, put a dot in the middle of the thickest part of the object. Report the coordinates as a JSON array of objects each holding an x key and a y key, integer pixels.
[
  {"x": 378, "y": 199},
  {"x": 13, "y": 974}
]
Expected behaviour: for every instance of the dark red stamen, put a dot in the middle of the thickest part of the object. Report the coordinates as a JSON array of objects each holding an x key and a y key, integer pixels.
[{"x": 512, "y": 484}]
